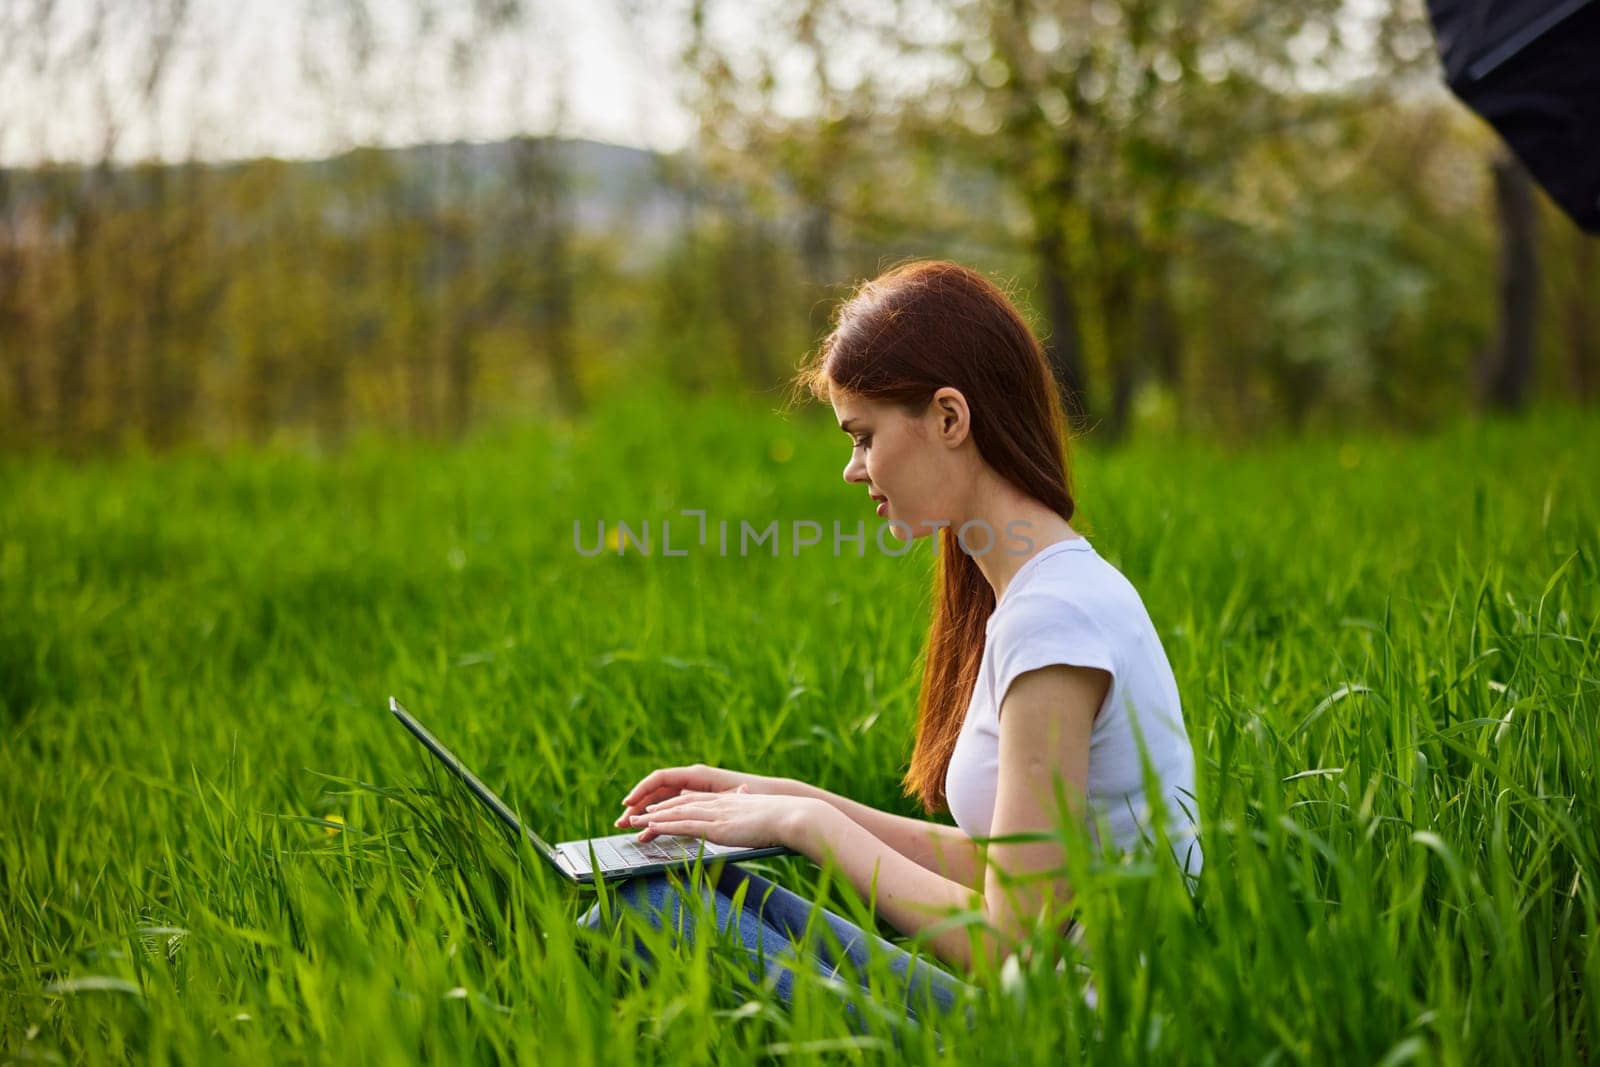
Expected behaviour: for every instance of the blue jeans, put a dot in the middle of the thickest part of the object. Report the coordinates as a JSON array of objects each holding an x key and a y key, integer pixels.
[{"x": 772, "y": 917}]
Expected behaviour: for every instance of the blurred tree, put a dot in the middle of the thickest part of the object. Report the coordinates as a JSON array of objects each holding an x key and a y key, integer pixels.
[
  {"x": 17, "y": 337},
  {"x": 1583, "y": 321},
  {"x": 1231, "y": 216},
  {"x": 835, "y": 176},
  {"x": 1506, "y": 367},
  {"x": 1103, "y": 119},
  {"x": 80, "y": 204},
  {"x": 548, "y": 187}
]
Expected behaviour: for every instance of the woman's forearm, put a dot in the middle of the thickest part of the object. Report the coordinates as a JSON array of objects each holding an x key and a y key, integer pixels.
[
  {"x": 907, "y": 895},
  {"x": 945, "y": 850}
]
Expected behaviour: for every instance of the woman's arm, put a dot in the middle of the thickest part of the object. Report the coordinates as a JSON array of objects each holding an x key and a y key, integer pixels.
[
  {"x": 945, "y": 850},
  {"x": 1046, "y": 719}
]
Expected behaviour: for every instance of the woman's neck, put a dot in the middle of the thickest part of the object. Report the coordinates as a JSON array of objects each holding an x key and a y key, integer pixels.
[{"x": 1021, "y": 528}]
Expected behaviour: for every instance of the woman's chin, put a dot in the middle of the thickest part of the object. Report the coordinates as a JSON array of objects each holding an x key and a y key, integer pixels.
[{"x": 902, "y": 529}]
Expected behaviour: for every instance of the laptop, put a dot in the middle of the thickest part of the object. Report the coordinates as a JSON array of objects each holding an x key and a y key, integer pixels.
[{"x": 606, "y": 858}]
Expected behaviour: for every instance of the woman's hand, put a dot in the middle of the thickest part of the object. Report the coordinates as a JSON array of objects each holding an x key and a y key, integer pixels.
[
  {"x": 738, "y": 817},
  {"x": 670, "y": 781}
]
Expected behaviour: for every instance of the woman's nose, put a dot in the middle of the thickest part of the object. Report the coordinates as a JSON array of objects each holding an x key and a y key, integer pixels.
[{"x": 855, "y": 470}]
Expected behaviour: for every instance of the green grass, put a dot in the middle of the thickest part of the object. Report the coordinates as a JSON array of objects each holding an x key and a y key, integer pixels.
[{"x": 1387, "y": 651}]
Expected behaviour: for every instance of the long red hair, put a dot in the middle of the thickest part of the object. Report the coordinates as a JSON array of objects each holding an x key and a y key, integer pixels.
[{"x": 898, "y": 339}]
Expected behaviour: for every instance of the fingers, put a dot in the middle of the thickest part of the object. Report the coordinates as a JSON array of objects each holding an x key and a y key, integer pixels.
[
  {"x": 650, "y": 784},
  {"x": 657, "y": 798},
  {"x": 664, "y": 778},
  {"x": 665, "y": 786},
  {"x": 653, "y": 797},
  {"x": 673, "y": 820},
  {"x": 649, "y": 833},
  {"x": 683, "y": 799},
  {"x": 683, "y": 826},
  {"x": 689, "y": 807}
]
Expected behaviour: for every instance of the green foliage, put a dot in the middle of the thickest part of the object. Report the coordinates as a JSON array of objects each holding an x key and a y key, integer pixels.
[
  {"x": 1387, "y": 650},
  {"x": 1222, "y": 219}
]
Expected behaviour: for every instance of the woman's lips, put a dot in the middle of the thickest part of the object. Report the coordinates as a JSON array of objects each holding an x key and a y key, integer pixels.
[{"x": 883, "y": 509}]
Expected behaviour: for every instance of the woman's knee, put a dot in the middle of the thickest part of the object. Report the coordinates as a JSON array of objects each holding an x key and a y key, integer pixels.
[{"x": 643, "y": 893}]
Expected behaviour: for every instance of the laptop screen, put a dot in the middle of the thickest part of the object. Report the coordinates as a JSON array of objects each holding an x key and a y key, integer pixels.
[{"x": 459, "y": 769}]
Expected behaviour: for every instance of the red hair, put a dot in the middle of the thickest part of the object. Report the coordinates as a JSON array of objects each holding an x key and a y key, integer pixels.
[{"x": 898, "y": 339}]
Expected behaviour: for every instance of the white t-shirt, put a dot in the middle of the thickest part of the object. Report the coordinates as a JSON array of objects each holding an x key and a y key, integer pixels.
[{"x": 1068, "y": 605}]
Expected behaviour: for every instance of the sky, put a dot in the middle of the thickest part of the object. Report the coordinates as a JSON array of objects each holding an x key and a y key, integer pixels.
[{"x": 247, "y": 78}]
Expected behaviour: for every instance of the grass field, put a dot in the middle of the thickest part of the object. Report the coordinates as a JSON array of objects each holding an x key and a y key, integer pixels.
[{"x": 215, "y": 846}]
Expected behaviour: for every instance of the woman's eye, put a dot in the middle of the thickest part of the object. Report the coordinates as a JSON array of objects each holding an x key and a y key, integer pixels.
[{"x": 863, "y": 442}]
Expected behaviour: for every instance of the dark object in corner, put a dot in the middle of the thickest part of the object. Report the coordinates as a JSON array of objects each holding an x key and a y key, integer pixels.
[{"x": 1532, "y": 69}]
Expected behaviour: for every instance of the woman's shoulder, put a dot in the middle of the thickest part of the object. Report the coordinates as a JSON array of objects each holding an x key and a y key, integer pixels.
[
  {"x": 1072, "y": 592},
  {"x": 1073, "y": 580}
]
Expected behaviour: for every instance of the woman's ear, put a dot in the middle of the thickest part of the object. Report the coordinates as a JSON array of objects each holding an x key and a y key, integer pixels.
[{"x": 954, "y": 419}]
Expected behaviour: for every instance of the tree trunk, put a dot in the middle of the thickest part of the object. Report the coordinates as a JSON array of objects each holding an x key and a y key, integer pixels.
[
  {"x": 157, "y": 403},
  {"x": 1063, "y": 347},
  {"x": 1163, "y": 341},
  {"x": 419, "y": 388},
  {"x": 77, "y": 339},
  {"x": 454, "y": 296},
  {"x": 460, "y": 366},
  {"x": 16, "y": 349},
  {"x": 1583, "y": 325},
  {"x": 1123, "y": 338},
  {"x": 558, "y": 331},
  {"x": 330, "y": 392},
  {"x": 548, "y": 185},
  {"x": 1507, "y": 367},
  {"x": 816, "y": 252}
]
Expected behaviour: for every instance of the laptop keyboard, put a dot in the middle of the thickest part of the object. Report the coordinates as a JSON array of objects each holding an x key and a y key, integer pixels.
[{"x": 624, "y": 851}]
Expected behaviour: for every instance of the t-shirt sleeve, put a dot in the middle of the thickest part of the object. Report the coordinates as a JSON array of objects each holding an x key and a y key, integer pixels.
[{"x": 1041, "y": 632}]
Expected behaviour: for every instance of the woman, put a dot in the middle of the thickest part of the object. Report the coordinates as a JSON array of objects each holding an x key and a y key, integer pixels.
[{"x": 1043, "y": 667}]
